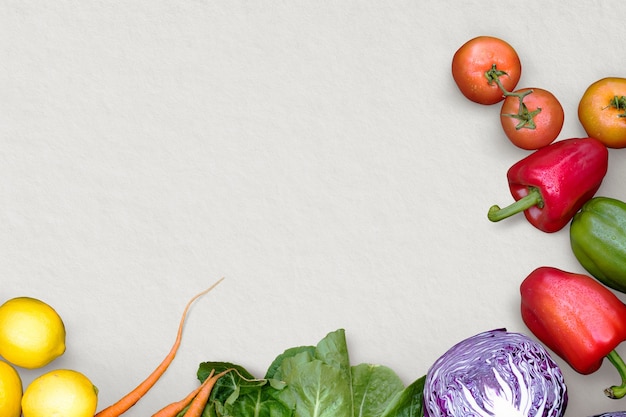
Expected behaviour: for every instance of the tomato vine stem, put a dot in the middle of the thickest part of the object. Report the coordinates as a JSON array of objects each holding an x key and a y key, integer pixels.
[
  {"x": 524, "y": 115},
  {"x": 619, "y": 103}
]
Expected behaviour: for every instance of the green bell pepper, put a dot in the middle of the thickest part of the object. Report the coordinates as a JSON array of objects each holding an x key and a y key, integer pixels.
[{"x": 598, "y": 240}]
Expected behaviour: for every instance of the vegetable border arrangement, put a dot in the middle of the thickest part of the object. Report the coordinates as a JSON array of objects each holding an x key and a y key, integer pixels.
[{"x": 499, "y": 373}]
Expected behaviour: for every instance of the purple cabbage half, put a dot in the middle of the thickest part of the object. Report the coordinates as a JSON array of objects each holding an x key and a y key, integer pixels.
[{"x": 495, "y": 373}]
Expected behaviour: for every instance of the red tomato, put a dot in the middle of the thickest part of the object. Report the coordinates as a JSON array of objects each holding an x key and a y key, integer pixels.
[
  {"x": 478, "y": 60},
  {"x": 534, "y": 124},
  {"x": 602, "y": 111}
]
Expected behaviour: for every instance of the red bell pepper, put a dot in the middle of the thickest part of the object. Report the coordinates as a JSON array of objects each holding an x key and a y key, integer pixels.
[
  {"x": 551, "y": 184},
  {"x": 578, "y": 318}
]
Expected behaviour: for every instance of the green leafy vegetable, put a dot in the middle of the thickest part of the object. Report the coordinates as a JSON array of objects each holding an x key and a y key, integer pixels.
[
  {"x": 313, "y": 381},
  {"x": 373, "y": 387},
  {"x": 407, "y": 403}
]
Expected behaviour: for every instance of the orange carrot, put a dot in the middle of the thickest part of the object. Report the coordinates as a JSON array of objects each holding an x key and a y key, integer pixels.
[
  {"x": 173, "y": 409},
  {"x": 200, "y": 401},
  {"x": 130, "y": 399}
]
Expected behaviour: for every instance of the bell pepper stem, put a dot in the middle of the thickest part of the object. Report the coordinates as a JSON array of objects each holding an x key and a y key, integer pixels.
[
  {"x": 617, "y": 391},
  {"x": 533, "y": 198}
]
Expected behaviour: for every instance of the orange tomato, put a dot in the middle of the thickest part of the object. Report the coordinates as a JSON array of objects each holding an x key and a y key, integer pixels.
[
  {"x": 602, "y": 111},
  {"x": 472, "y": 63}
]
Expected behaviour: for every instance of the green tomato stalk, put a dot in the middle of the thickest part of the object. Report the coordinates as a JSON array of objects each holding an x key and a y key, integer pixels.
[{"x": 526, "y": 117}]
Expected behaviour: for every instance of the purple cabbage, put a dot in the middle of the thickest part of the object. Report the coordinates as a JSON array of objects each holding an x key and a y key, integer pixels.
[{"x": 495, "y": 373}]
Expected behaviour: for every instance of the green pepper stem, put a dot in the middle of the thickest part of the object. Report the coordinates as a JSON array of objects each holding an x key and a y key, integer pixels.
[
  {"x": 533, "y": 198},
  {"x": 617, "y": 391}
]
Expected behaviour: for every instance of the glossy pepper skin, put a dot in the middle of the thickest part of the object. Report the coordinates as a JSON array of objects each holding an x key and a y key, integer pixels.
[
  {"x": 598, "y": 240},
  {"x": 551, "y": 184},
  {"x": 577, "y": 317}
]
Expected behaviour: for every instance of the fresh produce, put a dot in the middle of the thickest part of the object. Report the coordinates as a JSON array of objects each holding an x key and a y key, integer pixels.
[
  {"x": 551, "y": 184},
  {"x": 198, "y": 404},
  {"x": 32, "y": 333},
  {"x": 531, "y": 118},
  {"x": 311, "y": 381},
  {"x": 175, "y": 408},
  {"x": 130, "y": 399},
  {"x": 483, "y": 67},
  {"x": 60, "y": 392},
  {"x": 195, "y": 402},
  {"x": 495, "y": 373},
  {"x": 10, "y": 391},
  {"x": 602, "y": 111},
  {"x": 579, "y": 320},
  {"x": 598, "y": 240},
  {"x": 577, "y": 317},
  {"x": 486, "y": 70}
]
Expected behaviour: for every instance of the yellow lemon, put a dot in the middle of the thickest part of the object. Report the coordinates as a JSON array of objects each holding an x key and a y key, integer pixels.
[
  {"x": 31, "y": 333},
  {"x": 10, "y": 391},
  {"x": 61, "y": 392}
]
